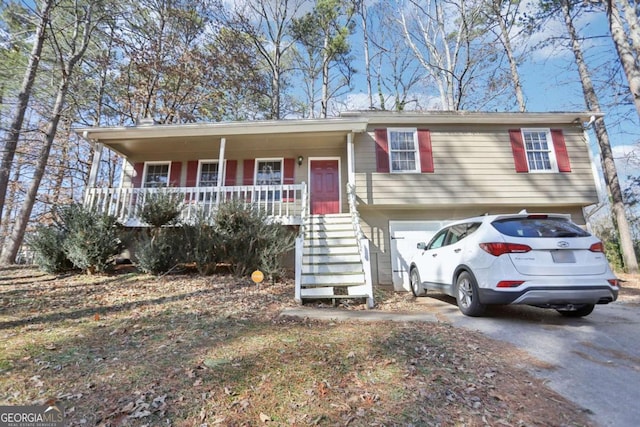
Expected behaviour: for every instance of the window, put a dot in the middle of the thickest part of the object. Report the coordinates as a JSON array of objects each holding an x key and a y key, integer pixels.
[
  {"x": 460, "y": 231},
  {"x": 268, "y": 172},
  {"x": 438, "y": 240},
  {"x": 539, "y": 148},
  {"x": 403, "y": 150},
  {"x": 156, "y": 175},
  {"x": 208, "y": 176}
]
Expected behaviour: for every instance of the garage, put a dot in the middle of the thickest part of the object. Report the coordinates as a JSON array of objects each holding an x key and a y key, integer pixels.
[{"x": 405, "y": 235}]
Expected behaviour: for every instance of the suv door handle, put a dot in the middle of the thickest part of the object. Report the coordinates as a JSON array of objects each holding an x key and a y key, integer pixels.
[
  {"x": 434, "y": 255},
  {"x": 457, "y": 250}
]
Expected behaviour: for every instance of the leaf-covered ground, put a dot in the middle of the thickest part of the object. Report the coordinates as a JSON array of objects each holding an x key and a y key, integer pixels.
[{"x": 136, "y": 350}]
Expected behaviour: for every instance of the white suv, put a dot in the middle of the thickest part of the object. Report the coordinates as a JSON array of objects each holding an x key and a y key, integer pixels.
[{"x": 543, "y": 260}]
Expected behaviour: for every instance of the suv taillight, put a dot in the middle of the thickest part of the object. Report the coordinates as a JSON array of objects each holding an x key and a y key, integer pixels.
[
  {"x": 597, "y": 247},
  {"x": 497, "y": 249}
]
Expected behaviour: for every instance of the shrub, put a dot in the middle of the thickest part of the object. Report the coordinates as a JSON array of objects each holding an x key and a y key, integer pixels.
[
  {"x": 161, "y": 250},
  {"x": 201, "y": 243},
  {"x": 248, "y": 241},
  {"x": 91, "y": 240},
  {"x": 46, "y": 244},
  {"x": 161, "y": 209}
]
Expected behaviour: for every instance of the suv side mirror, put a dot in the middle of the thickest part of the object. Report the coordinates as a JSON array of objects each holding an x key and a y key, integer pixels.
[{"x": 421, "y": 246}]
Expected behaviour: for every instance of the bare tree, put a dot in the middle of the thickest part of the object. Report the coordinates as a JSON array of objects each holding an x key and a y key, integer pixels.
[
  {"x": 13, "y": 135},
  {"x": 267, "y": 24},
  {"x": 505, "y": 13},
  {"x": 324, "y": 34},
  {"x": 627, "y": 42},
  {"x": 608, "y": 165},
  {"x": 69, "y": 49},
  {"x": 447, "y": 40}
]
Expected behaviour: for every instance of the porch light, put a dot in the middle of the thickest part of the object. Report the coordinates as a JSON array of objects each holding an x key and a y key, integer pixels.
[{"x": 300, "y": 159}]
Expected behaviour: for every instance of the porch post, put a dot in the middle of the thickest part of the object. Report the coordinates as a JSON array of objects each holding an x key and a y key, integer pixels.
[
  {"x": 95, "y": 165},
  {"x": 351, "y": 173},
  {"x": 223, "y": 144}
]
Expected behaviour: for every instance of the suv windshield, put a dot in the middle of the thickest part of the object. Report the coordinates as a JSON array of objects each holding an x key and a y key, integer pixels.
[{"x": 538, "y": 227}]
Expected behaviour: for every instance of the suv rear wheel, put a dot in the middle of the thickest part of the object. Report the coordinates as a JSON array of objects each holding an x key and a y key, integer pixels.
[{"x": 467, "y": 295}]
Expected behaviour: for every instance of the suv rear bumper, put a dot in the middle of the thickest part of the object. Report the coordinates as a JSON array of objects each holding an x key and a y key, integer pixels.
[{"x": 550, "y": 295}]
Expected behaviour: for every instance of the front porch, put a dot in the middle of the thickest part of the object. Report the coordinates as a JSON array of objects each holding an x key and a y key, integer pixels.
[{"x": 282, "y": 203}]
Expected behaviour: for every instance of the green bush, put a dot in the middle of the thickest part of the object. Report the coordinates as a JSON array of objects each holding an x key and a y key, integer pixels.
[
  {"x": 201, "y": 244},
  {"x": 161, "y": 209},
  {"x": 46, "y": 244},
  {"x": 248, "y": 241},
  {"x": 161, "y": 250},
  {"x": 91, "y": 240}
]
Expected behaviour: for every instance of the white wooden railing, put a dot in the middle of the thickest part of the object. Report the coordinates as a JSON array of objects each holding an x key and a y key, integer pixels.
[
  {"x": 363, "y": 243},
  {"x": 284, "y": 203},
  {"x": 300, "y": 248}
]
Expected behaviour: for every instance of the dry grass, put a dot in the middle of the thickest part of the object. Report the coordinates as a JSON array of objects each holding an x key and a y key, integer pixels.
[{"x": 132, "y": 349}]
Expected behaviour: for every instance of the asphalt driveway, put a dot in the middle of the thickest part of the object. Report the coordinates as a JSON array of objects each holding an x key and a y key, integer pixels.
[{"x": 593, "y": 361}]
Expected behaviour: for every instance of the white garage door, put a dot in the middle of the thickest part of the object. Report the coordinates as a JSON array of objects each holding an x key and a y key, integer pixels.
[{"x": 405, "y": 235}]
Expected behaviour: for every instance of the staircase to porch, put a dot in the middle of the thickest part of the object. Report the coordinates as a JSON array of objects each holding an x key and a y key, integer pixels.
[{"x": 332, "y": 264}]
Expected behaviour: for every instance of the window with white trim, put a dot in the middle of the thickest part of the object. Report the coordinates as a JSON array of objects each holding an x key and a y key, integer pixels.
[
  {"x": 268, "y": 172},
  {"x": 404, "y": 154},
  {"x": 156, "y": 174},
  {"x": 208, "y": 174},
  {"x": 541, "y": 155}
]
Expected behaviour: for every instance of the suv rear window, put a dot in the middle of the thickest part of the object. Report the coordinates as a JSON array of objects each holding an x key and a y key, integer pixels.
[{"x": 538, "y": 227}]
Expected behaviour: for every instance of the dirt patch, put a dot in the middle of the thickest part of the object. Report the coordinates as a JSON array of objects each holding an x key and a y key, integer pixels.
[{"x": 135, "y": 350}]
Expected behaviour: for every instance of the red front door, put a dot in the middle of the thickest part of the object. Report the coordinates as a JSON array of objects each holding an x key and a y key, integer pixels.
[{"x": 325, "y": 187}]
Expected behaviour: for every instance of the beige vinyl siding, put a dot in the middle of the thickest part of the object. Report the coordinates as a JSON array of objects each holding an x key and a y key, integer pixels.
[{"x": 474, "y": 165}]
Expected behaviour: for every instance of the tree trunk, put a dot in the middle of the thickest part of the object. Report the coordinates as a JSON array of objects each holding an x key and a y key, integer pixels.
[
  {"x": 367, "y": 64},
  {"x": 10, "y": 250},
  {"x": 13, "y": 134},
  {"x": 513, "y": 65},
  {"x": 624, "y": 49},
  {"x": 606, "y": 155}
]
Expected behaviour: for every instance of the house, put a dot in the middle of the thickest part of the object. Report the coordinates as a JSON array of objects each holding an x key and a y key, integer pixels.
[{"x": 363, "y": 188}]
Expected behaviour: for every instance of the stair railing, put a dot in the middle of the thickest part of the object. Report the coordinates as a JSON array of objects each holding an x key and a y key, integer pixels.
[
  {"x": 300, "y": 245},
  {"x": 363, "y": 243}
]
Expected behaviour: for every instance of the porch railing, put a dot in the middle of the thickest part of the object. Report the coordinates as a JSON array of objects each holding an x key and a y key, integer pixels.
[
  {"x": 363, "y": 244},
  {"x": 283, "y": 203}
]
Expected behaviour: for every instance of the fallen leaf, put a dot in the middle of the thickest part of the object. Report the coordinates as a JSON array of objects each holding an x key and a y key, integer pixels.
[
  {"x": 96, "y": 317},
  {"x": 264, "y": 417}
]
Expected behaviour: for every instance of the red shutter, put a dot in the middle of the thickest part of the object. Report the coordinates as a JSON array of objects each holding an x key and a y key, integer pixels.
[
  {"x": 382, "y": 151},
  {"x": 174, "y": 174},
  {"x": 192, "y": 173},
  {"x": 231, "y": 169},
  {"x": 247, "y": 172},
  {"x": 519, "y": 153},
  {"x": 426, "y": 153},
  {"x": 289, "y": 171},
  {"x": 138, "y": 171},
  {"x": 561, "y": 150}
]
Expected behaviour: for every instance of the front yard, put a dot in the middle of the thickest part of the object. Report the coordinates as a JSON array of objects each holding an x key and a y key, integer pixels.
[{"x": 132, "y": 349}]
